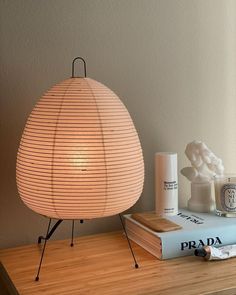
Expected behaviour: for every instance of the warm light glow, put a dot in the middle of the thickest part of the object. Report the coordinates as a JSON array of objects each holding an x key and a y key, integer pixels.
[{"x": 79, "y": 156}]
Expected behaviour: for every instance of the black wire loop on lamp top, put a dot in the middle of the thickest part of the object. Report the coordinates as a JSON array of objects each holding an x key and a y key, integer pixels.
[{"x": 73, "y": 66}]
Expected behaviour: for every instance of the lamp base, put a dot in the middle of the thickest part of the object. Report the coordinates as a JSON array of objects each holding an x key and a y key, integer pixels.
[{"x": 55, "y": 226}]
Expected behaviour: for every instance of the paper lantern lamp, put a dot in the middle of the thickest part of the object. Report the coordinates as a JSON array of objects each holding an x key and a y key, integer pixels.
[{"x": 80, "y": 155}]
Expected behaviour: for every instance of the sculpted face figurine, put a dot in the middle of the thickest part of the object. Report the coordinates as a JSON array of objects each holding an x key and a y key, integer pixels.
[{"x": 205, "y": 166}]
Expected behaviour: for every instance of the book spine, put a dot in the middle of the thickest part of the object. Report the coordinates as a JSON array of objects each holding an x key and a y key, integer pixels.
[{"x": 177, "y": 244}]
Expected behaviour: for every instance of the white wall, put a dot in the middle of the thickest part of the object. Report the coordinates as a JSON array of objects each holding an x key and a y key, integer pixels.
[{"x": 171, "y": 61}]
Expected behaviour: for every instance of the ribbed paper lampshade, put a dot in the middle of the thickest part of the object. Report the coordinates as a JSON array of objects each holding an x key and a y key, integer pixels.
[{"x": 79, "y": 156}]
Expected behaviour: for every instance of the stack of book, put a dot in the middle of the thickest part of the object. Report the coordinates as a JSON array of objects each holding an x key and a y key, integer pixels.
[{"x": 198, "y": 230}]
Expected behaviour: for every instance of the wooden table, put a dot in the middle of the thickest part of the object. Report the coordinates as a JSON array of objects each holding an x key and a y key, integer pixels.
[{"x": 102, "y": 264}]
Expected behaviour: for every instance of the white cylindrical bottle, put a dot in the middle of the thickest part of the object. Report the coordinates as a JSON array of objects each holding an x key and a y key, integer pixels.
[{"x": 166, "y": 184}]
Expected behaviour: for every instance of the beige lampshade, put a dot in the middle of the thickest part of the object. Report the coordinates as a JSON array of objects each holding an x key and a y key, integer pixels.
[{"x": 80, "y": 155}]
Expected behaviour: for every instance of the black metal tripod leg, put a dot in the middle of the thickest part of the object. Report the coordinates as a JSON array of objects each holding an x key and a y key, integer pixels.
[
  {"x": 49, "y": 234},
  {"x": 130, "y": 247},
  {"x": 44, "y": 246},
  {"x": 72, "y": 233}
]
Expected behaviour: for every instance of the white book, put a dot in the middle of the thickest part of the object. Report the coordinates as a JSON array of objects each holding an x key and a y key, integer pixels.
[{"x": 198, "y": 229}]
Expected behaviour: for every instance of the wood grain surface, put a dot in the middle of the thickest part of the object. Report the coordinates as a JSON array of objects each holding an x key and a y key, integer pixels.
[
  {"x": 155, "y": 222},
  {"x": 102, "y": 264}
]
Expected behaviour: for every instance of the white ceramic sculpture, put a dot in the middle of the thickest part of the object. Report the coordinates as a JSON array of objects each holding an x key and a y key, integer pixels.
[{"x": 205, "y": 166}]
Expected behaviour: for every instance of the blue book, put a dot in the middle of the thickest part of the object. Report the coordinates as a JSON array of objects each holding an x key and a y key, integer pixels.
[{"x": 198, "y": 230}]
